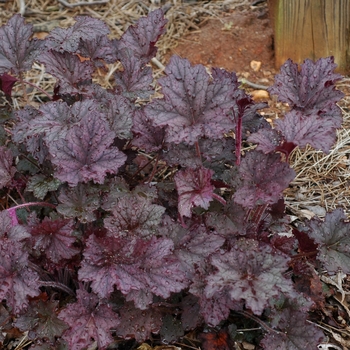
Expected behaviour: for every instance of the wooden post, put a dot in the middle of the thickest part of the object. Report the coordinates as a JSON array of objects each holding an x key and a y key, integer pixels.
[{"x": 311, "y": 29}]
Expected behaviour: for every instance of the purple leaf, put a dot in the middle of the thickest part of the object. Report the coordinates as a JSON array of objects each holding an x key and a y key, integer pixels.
[
  {"x": 9, "y": 228},
  {"x": 267, "y": 139},
  {"x": 216, "y": 308},
  {"x": 195, "y": 247},
  {"x": 317, "y": 131},
  {"x": 117, "y": 188},
  {"x": 134, "y": 216},
  {"x": 310, "y": 90},
  {"x": 231, "y": 221},
  {"x": 22, "y": 133},
  {"x": 7, "y": 170},
  {"x": 17, "y": 280},
  {"x": 119, "y": 112},
  {"x": 193, "y": 104},
  {"x": 79, "y": 202},
  {"x": 294, "y": 333},
  {"x": 142, "y": 37},
  {"x": 41, "y": 320},
  {"x": 6, "y": 84},
  {"x": 148, "y": 266},
  {"x": 264, "y": 179},
  {"x": 53, "y": 238},
  {"x": 171, "y": 329},
  {"x": 254, "y": 274},
  {"x": 136, "y": 79},
  {"x": 147, "y": 136},
  {"x": 17, "y": 51},
  {"x": 86, "y": 153},
  {"x": 98, "y": 48},
  {"x": 90, "y": 319},
  {"x": 85, "y": 28},
  {"x": 68, "y": 69},
  {"x": 213, "y": 153},
  {"x": 138, "y": 324},
  {"x": 57, "y": 118},
  {"x": 194, "y": 189},
  {"x": 333, "y": 238},
  {"x": 190, "y": 317}
]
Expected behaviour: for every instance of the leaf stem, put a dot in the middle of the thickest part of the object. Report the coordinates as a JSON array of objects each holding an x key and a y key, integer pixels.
[
  {"x": 24, "y": 205},
  {"x": 143, "y": 167},
  {"x": 257, "y": 320},
  {"x": 219, "y": 198},
  {"x": 36, "y": 87},
  {"x": 238, "y": 139},
  {"x": 198, "y": 151},
  {"x": 57, "y": 285},
  {"x": 154, "y": 170},
  {"x": 21, "y": 80}
]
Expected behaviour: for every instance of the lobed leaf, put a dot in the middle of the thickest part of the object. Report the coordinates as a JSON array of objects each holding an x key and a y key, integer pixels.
[
  {"x": 17, "y": 51},
  {"x": 264, "y": 178},
  {"x": 90, "y": 319},
  {"x": 193, "y": 104},
  {"x": 7, "y": 170},
  {"x": 98, "y": 48},
  {"x": 147, "y": 136},
  {"x": 142, "y": 37},
  {"x": 139, "y": 324},
  {"x": 18, "y": 281},
  {"x": 53, "y": 238},
  {"x": 9, "y": 230},
  {"x": 134, "y": 216},
  {"x": 148, "y": 266},
  {"x": 40, "y": 185},
  {"x": 333, "y": 238},
  {"x": 22, "y": 133},
  {"x": 85, "y": 28},
  {"x": 252, "y": 274},
  {"x": 68, "y": 69},
  {"x": 194, "y": 189},
  {"x": 119, "y": 112},
  {"x": 294, "y": 333},
  {"x": 86, "y": 153},
  {"x": 41, "y": 320},
  {"x": 79, "y": 202},
  {"x": 310, "y": 90},
  {"x": 216, "y": 308},
  {"x": 135, "y": 80},
  {"x": 317, "y": 131}
]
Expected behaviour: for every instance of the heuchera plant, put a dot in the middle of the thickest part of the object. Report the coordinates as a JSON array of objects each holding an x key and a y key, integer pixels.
[{"x": 144, "y": 216}]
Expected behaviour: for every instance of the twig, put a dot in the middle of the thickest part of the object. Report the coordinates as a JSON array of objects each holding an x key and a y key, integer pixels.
[
  {"x": 157, "y": 63},
  {"x": 22, "y": 7},
  {"x": 253, "y": 85},
  {"x": 83, "y": 3}
]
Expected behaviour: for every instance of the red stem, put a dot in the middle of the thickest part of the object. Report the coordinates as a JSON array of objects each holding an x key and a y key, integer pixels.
[
  {"x": 238, "y": 139},
  {"x": 43, "y": 204},
  {"x": 37, "y": 87},
  {"x": 219, "y": 199},
  {"x": 154, "y": 170},
  {"x": 198, "y": 151}
]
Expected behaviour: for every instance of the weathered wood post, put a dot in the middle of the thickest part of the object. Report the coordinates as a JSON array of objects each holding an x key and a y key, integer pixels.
[{"x": 311, "y": 29}]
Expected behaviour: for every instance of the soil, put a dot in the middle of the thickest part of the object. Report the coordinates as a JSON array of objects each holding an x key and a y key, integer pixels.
[{"x": 233, "y": 41}]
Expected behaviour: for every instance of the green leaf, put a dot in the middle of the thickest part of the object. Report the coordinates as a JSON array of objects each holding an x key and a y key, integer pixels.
[{"x": 40, "y": 185}]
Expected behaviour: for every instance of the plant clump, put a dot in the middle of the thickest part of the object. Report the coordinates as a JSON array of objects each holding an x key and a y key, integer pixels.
[{"x": 108, "y": 243}]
